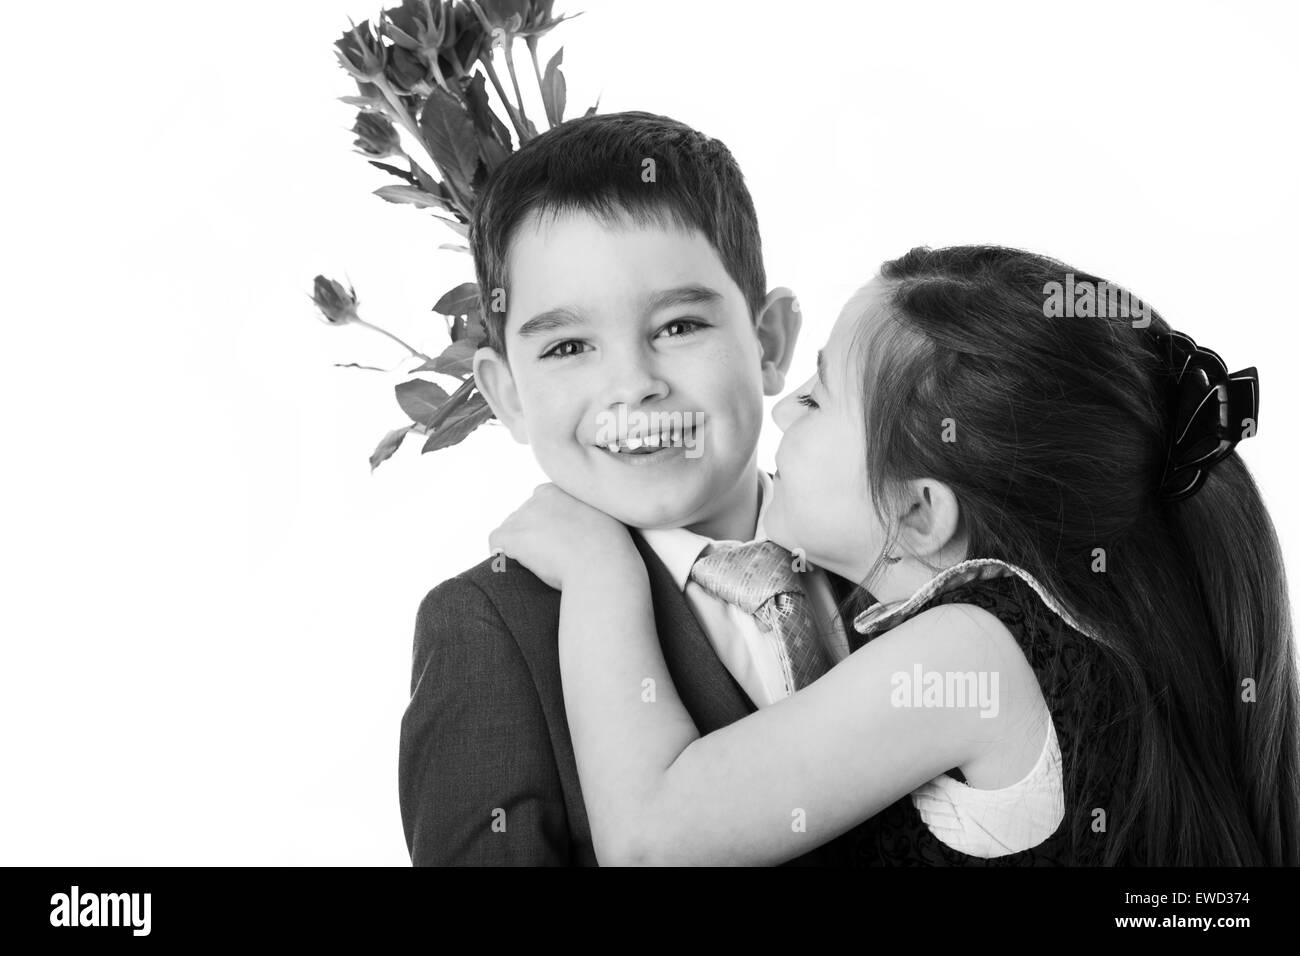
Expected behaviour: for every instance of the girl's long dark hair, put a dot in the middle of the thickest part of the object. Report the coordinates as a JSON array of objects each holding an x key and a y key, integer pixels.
[{"x": 1061, "y": 435}]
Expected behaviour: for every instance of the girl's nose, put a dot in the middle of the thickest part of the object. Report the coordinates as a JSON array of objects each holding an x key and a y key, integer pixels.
[{"x": 784, "y": 412}]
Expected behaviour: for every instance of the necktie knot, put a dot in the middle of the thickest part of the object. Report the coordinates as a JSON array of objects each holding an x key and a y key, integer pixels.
[
  {"x": 759, "y": 578},
  {"x": 747, "y": 575}
]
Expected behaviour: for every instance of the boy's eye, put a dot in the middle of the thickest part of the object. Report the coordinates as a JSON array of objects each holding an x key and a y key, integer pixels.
[
  {"x": 561, "y": 349},
  {"x": 686, "y": 326},
  {"x": 807, "y": 401}
]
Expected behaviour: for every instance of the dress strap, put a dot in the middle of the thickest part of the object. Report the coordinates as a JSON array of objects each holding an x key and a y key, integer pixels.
[{"x": 880, "y": 617}]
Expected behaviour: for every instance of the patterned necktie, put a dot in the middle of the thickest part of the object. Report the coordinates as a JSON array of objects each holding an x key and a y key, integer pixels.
[{"x": 759, "y": 579}]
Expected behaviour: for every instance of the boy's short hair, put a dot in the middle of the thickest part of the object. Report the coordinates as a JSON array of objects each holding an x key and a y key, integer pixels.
[{"x": 598, "y": 164}]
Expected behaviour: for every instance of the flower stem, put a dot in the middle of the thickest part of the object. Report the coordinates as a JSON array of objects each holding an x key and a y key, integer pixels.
[
  {"x": 437, "y": 73},
  {"x": 415, "y": 352},
  {"x": 537, "y": 72},
  {"x": 403, "y": 117},
  {"x": 510, "y": 109},
  {"x": 510, "y": 65},
  {"x": 454, "y": 401}
]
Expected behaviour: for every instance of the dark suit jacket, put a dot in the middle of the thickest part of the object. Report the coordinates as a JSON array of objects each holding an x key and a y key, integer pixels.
[{"x": 485, "y": 730}]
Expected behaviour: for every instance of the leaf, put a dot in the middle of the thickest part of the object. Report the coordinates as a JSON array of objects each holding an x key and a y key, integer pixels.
[
  {"x": 391, "y": 442},
  {"x": 427, "y": 182},
  {"x": 421, "y": 400},
  {"x": 399, "y": 173},
  {"x": 493, "y": 153},
  {"x": 553, "y": 89},
  {"x": 592, "y": 111},
  {"x": 494, "y": 136},
  {"x": 458, "y": 425},
  {"x": 431, "y": 185},
  {"x": 453, "y": 247},
  {"x": 456, "y": 359},
  {"x": 409, "y": 194},
  {"x": 459, "y": 228},
  {"x": 474, "y": 329},
  {"x": 461, "y": 300},
  {"x": 469, "y": 327},
  {"x": 449, "y": 131}
]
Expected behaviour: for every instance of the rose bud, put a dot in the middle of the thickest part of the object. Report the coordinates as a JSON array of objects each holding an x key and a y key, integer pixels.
[
  {"x": 505, "y": 15},
  {"x": 338, "y": 306},
  {"x": 360, "y": 53},
  {"x": 406, "y": 72},
  {"x": 376, "y": 136},
  {"x": 463, "y": 42},
  {"x": 416, "y": 25}
]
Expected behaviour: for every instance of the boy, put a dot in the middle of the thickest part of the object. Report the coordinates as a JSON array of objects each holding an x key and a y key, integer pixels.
[{"x": 635, "y": 346}]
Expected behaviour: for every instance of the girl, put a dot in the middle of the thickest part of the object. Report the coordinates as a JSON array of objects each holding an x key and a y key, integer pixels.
[{"x": 1080, "y": 649}]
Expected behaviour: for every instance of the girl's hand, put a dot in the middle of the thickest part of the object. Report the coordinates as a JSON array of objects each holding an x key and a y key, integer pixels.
[{"x": 560, "y": 539}]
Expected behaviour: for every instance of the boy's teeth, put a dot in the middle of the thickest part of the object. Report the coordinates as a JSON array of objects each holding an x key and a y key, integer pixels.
[{"x": 671, "y": 437}]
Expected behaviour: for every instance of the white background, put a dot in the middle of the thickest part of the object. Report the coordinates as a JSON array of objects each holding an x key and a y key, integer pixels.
[{"x": 209, "y": 600}]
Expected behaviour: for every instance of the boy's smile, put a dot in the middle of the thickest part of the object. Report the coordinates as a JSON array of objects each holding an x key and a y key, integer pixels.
[{"x": 635, "y": 371}]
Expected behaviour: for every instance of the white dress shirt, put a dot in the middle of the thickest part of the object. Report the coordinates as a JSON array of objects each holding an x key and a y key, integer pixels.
[{"x": 746, "y": 651}]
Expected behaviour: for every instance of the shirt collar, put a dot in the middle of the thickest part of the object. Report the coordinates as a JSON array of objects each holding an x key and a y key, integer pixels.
[
  {"x": 679, "y": 548},
  {"x": 880, "y": 617}
]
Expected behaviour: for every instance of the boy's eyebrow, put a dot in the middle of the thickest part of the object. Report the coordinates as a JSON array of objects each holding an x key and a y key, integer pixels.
[
  {"x": 682, "y": 295},
  {"x": 549, "y": 321},
  {"x": 821, "y": 370},
  {"x": 559, "y": 318}
]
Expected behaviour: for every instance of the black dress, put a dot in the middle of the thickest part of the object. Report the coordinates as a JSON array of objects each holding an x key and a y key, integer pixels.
[{"x": 1077, "y": 676}]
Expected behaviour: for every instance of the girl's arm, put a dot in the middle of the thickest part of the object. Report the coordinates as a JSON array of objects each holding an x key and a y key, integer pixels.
[{"x": 791, "y": 776}]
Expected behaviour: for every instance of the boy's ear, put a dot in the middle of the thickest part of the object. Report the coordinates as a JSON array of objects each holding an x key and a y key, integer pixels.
[
  {"x": 777, "y": 327},
  {"x": 930, "y": 521},
  {"x": 494, "y": 379}
]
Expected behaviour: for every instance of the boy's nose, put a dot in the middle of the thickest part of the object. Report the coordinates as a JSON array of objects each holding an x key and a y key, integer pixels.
[
  {"x": 634, "y": 395},
  {"x": 633, "y": 383}
]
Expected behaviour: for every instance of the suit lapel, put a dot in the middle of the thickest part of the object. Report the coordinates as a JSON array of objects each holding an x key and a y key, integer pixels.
[{"x": 707, "y": 689}]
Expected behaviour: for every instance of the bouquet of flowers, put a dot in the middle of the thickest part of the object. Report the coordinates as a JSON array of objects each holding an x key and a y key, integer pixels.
[{"x": 422, "y": 71}]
